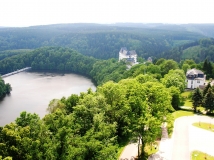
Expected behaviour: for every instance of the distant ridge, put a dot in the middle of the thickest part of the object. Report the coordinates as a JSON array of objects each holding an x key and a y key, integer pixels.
[{"x": 102, "y": 41}]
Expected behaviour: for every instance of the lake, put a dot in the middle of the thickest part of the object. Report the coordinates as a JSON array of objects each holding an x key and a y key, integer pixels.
[{"x": 32, "y": 92}]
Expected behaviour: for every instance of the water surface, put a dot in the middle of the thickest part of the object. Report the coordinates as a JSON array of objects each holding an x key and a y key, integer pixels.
[{"x": 32, "y": 92}]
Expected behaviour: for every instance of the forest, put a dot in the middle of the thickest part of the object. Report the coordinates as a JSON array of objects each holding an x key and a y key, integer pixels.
[
  {"x": 198, "y": 51},
  {"x": 128, "y": 103},
  {"x": 5, "y": 88},
  {"x": 99, "y": 41},
  {"x": 93, "y": 125}
]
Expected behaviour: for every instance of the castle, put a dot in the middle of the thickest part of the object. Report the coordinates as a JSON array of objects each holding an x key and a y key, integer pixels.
[{"x": 129, "y": 56}]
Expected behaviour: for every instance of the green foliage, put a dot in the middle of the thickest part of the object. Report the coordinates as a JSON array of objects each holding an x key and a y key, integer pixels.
[
  {"x": 54, "y": 104},
  {"x": 91, "y": 125},
  {"x": 10, "y": 53},
  {"x": 185, "y": 67},
  {"x": 50, "y": 58},
  {"x": 28, "y": 139},
  {"x": 196, "y": 99},
  {"x": 6, "y": 158},
  {"x": 190, "y": 62},
  {"x": 190, "y": 52},
  {"x": 160, "y": 61},
  {"x": 207, "y": 87},
  {"x": 5, "y": 88},
  {"x": 99, "y": 41},
  {"x": 70, "y": 102},
  {"x": 118, "y": 106},
  {"x": 168, "y": 65},
  {"x": 208, "y": 102},
  {"x": 175, "y": 78},
  {"x": 104, "y": 71},
  {"x": 146, "y": 78},
  {"x": 176, "y": 97},
  {"x": 149, "y": 69},
  {"x": 198, "y": 51},
  {"x": 156, "y": 104},
  {"x": 208, "y": 68}
]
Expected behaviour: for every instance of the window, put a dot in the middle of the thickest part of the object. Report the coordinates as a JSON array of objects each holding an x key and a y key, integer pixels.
[
  {"x": 191, "y": 82},
  {"x": 198, "y": 81}
]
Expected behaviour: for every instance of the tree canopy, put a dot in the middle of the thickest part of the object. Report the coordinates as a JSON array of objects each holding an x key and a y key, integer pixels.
[{"x": 5, "y": 88}]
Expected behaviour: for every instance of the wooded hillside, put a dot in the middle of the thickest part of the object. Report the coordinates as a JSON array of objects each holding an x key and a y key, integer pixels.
[
  {"x": 99, "y": 41},
  {"x": 198, "y": 51}
]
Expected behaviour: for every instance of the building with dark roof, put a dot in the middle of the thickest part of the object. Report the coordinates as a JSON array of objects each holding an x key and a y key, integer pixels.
[
  {"x": 195, "y": 78},
  {"x": 129, "y": 56}
]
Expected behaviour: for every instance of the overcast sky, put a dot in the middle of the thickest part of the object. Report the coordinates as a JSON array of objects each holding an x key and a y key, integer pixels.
[{"x": 40, "y": 12}]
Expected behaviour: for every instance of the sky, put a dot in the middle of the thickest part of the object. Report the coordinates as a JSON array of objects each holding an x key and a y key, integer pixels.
[{"x": 22, "y": 13}]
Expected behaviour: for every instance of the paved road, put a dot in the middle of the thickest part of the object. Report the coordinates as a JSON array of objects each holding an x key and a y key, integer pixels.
[
  {"x": 180, "y": 140},
  {"x": 129, "y": 151},
  {"x": 187, "y": 138},
  {"x": 201, "y": 139}
]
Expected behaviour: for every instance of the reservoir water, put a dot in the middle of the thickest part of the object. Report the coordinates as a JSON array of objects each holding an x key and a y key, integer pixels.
[{"x": 32, "y": 92}]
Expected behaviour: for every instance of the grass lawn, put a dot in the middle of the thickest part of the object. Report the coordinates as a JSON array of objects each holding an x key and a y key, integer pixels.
[
  {"x": 186, "y": 93},
  {"x": 181, "y": 113},
  {"x": 197, "y": 155},
  {"x": 188, "y": 103},
  {"x": 207, "y": 126}
]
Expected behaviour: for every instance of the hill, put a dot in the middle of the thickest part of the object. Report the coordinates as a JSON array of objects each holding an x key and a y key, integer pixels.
[
  {"x": 99, "y": 41},
  {"x": 10, "y": 53},
  {"x": 198, "y": 51},
  {"x": 204, "y": 29}
]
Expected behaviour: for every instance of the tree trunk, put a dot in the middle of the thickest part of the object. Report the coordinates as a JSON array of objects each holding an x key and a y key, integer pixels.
[{"x": 143, "y": 155}]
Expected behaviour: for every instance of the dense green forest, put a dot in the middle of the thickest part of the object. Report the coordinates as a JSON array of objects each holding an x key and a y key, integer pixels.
[
  {"x": 204, "y": 98},
  {"x": 198, "y": 51},
  {"x": 10, "y": 53},
  {"x": 93, "y": 125},
  {"x": 99, "y": 41},
  {"x": 204, "y": 29},
  {"x": 128, "y": 103},
  {"x": 90, "y": 125},
  {"x": 5, "y": 88}
]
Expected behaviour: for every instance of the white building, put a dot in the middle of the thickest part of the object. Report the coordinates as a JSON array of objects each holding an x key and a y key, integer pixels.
[
  {"x": 129, "y": 56},
  {"x": 195, "y": 78}
]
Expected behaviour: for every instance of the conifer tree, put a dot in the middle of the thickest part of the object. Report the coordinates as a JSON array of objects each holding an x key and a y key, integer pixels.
[
  {"x": 209, "y": 100},
  {"x": 197, "y": 99},
  {"x": 206, "y": 89}
]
